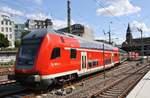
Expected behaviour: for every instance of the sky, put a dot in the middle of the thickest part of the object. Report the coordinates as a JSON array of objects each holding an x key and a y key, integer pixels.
[{"x": 96, "y": 14}]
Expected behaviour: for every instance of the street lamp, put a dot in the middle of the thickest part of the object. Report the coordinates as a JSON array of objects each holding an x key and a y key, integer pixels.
[{"x": 142, "y": 45}]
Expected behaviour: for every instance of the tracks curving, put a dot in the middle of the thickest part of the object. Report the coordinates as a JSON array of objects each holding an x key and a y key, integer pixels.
[
  {"x": 100, "y": 84},
  {"x": 121, "y": 87}
]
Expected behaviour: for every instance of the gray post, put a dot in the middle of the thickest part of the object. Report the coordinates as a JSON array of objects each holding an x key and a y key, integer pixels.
[
  {"x": 104, "y": 60},
  {"x": 142, "y": 45},
  {"x": 69, "y": 16},
  {"x": 109, "y": 33}
]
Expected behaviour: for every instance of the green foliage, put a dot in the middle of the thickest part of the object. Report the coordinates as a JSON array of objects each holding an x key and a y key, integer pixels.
[
  {"x": 3, "y": 41},
  {"x": 17, "y": 43},
  {"x": 24, "y": 33}
]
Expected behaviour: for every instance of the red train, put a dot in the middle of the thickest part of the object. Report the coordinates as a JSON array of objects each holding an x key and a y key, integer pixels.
[{"x": 47, "y": 56}]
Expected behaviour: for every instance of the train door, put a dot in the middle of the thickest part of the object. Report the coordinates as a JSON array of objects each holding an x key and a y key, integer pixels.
[{"x": 83, "y": 61}]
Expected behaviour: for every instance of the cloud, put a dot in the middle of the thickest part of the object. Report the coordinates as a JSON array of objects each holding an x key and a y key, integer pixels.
[
  {"x": 11, "y": 11},
  {"x": 39, "y": 2},
  {"x": 117, "y": 8},
  {"x": 57, "y": 23},
  {"x": 140, "y": 25},
  {"x": 38, "y": 16}
]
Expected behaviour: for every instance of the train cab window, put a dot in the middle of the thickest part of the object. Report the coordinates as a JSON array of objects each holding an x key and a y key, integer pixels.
[
  {"x": 55, "y": 53},
  {"x": 73, "y": 53}
]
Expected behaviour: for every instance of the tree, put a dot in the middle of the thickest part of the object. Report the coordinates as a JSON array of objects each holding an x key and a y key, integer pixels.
[
  {"x": 4, "y": 42},
  {"x": 24, "y": 33},
  {"x": 17, "y": 43}
]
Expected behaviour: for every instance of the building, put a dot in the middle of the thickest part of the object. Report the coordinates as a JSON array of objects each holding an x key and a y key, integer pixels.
[
  {"x": 19, "y": 28},
  {"x": 7, "y": 28},
  {"x": 134, "y": 44},
  {"x": 37, "y": 24},
  {"x": 80, "y": 30}
]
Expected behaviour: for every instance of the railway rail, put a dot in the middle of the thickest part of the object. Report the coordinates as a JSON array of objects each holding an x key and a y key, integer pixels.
[
  {"x": 88, "y": 86},
  {"x": 55, "y": 89},
  {"x": 7, "y": 82},
  {"x": 73, "y": 89},
  {"x": 90, "y": 90},
  {"x": 121, "y": 87}
]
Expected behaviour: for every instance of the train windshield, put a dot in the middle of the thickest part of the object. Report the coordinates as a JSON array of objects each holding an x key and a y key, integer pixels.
[{"x": 27, "y": 53}]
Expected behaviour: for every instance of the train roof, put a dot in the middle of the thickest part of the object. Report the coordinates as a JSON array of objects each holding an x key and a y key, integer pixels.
[
  {"x": 91, "y": 43},
  {"x": 39, "y": 33}
]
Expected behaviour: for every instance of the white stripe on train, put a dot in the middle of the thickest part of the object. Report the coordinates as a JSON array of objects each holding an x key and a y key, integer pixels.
[
  {"x": 80, "y": 73},
  {"x": 90, "y": 50}
]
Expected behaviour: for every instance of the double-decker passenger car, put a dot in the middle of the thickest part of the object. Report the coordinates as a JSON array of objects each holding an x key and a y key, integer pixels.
[{"x": 47, "y": 56}]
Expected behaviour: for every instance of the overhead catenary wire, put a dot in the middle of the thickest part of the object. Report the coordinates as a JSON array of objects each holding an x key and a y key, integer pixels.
[
  {"x": 102, "y": 5},
  {"x": 25, "y": 7}
]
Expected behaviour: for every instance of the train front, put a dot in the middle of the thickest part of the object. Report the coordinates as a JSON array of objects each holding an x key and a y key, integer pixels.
[{"x": 26, "y": 71}]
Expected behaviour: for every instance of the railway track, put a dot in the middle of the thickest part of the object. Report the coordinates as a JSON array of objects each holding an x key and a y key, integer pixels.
[
  {"x": 7, "y": 82},
  {"x": 87, "y": 82},
  {"x": 99, "y": 84},
  {"x": 84, "y": 87},
  {"x": 121, "y": 87}
]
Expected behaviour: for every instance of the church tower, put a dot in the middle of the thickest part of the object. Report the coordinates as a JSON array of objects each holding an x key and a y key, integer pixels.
[{"x": 129, "y": 36}]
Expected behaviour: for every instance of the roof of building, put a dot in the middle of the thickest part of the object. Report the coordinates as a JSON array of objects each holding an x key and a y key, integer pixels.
[{"x": 137, "y": 41}]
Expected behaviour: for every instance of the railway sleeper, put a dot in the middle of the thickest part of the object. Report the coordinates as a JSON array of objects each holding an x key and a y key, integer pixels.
[
  {"x": 103, "y": 96},
  {"x": 109, "y": 94},
  {"x": 117, "y": 88},
  {"x": 114, "y": 92},
  {"x": 121, "y": 87}
]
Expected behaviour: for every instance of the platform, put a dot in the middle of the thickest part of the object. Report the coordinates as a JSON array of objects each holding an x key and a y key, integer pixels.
[{"x": 142, "y": 89}]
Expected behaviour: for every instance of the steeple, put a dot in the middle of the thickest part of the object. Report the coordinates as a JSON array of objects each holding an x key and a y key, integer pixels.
[
  {"x": 128, "y": 29},
  {"x": 129, "y": 35}
]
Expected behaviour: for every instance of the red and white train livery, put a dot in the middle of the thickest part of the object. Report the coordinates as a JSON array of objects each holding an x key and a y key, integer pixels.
[{"x": 46, "y": 56}]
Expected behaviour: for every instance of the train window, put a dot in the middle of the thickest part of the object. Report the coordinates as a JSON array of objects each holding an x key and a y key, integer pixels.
[
  {"x": 115, "y": 54},
  {"x": 90, "y": 64},
  {"x": 94, "y": 63},
  {"x": 55, "y": 53},
  {"x": 73, "y": 53},
  {"x": 107, "y": 61}
]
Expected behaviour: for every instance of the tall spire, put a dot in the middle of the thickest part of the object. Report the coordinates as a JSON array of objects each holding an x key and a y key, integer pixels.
[
  {"x": 129, "y": 35},
  {"x": 128, "y": 29}
]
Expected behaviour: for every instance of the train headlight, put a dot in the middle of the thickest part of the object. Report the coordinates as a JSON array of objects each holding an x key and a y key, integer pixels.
[{"x": 37, "y": 78}]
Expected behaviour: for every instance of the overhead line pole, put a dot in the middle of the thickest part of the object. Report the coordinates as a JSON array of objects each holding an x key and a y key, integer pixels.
[
  {"x": 109, "y": 33},
  {"x": 142, "y": 45},
  {"x": 69, "y": 16}
]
